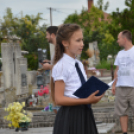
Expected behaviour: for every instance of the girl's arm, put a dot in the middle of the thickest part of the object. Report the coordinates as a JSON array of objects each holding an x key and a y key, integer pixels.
[{"x": 62, "y": 100}]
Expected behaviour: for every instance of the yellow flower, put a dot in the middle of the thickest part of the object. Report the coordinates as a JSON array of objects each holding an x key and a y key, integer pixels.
[
  {"x": 9, "y": 125},
  {"x": 8, "y": 118},
  {"x": 5, "y": 117},
  {"x": 29, "y": 114},
  {"x": 16, "y": 114},
  {"x": 23, "y": 104},
  {"x": 8, "y": 109},
  {"x": 15, "y": 124}
]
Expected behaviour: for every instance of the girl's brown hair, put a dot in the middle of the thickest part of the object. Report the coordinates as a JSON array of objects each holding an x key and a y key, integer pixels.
[{"x": 64, "y": 33}]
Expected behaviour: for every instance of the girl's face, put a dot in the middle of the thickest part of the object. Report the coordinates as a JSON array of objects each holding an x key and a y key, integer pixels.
[{"x": 75, "y": 45}]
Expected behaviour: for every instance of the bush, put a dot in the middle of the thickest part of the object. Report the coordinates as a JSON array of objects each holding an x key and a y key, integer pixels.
[
  {"x": 32, "y": 61},
  {"x": 104, "y": 65}
]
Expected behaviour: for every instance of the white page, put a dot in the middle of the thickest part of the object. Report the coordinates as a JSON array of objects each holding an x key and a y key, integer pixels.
[{"x": 111, "y": 83}]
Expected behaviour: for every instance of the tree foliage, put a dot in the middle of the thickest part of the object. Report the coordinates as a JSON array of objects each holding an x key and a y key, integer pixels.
[
  {"x": 123, "y": 20},
  {"x": 101, "y": 6},
  {"x": 94, "y": 29},
  {"x": 104, "y": 32},
  {"x": 93, "y": 23},
  {"x": 31, "y": 34}
]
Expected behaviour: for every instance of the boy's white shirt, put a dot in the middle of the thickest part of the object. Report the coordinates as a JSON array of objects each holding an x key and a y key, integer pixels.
[
  {"x": 125, "y": 62},
  {"x": 52, "y": 51}
]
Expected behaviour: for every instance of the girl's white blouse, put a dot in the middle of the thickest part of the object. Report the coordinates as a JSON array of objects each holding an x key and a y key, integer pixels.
[{"x": 65, "y": 70}]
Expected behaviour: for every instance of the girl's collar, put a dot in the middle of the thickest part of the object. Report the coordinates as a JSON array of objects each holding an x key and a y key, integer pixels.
[{"x": 70, "y": 59}]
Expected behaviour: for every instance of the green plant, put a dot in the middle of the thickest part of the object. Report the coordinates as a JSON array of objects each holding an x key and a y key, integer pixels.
[
  {"x": 32, "y": 61},
  {"x": 104, "y": 65}
]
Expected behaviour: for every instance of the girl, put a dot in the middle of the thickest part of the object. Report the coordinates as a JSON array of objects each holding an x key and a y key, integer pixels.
[{"x": 74, "y": 116}]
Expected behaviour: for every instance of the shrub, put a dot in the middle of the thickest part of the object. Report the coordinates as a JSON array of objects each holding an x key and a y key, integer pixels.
[{"x": 104, "y": 65}]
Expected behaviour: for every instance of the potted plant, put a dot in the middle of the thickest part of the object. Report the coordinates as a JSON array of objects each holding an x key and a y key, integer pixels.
[{"x": 18, "y": 117}]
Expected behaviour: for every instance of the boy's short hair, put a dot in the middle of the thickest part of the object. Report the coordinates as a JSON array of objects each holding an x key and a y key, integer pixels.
[
  {"x": 127, "y": 34},
  {"x": 52, "y": 29}
]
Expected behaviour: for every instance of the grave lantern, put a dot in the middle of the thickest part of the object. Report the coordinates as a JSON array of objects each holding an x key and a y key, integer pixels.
[{"x": 40, "y": 81}]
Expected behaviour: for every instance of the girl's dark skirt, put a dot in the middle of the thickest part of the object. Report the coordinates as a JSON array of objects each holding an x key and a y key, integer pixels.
[{"x": 75, "y": 120}]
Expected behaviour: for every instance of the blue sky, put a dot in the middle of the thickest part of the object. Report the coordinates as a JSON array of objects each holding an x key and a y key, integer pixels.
[{"x": 62, "y": 8}]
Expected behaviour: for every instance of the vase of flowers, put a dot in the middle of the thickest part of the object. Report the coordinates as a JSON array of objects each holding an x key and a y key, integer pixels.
[
  {"x": 44, "y": 91},
  {"x": 18, "y": 117},
  {"x": 24, "y": 125},
  {"x": 43, "y": 94}
]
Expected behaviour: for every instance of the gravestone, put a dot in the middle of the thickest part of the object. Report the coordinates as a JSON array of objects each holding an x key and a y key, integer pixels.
[
  {"x": 20, "y": 71},
  {"x": 93, "y": 47},
  {"x": 7, "y": 64},
  {"x": 14, "y": 68},
  {"x": 21, "y": 76}
]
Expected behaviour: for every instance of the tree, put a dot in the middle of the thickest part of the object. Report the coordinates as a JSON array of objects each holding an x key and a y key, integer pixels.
[
  {"x": 31, "y": 34},
  {"x": 101, "y": 6},
  {"x": 94, "y": 29},
  {"x": 123, "y": 20}
]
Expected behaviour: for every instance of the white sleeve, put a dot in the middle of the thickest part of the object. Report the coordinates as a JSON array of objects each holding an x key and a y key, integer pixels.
[
  {"x": 59, "y": 72},
  {"x": 116, "y": 63}
]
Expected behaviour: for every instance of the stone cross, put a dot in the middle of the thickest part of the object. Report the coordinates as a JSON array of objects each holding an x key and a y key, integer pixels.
[{"x": 14, "y": 67}]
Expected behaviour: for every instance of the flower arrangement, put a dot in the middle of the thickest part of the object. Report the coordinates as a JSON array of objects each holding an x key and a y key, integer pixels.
[
  {"x": 43, "y": 91},
  {"x": 48, "y": 108},
  {"x": 17, "y": 115}
]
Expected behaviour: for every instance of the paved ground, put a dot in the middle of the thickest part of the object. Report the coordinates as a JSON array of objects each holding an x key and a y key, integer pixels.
[
  {"x": 46, "y": 130},
  {"x": 128, "y": 133}
]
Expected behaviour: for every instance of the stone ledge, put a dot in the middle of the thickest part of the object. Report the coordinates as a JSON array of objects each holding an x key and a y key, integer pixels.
[{"x": 46, "y": 119}]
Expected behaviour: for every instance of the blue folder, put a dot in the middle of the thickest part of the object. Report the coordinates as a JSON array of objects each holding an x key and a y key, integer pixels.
[{"x": 93, "y": 84}]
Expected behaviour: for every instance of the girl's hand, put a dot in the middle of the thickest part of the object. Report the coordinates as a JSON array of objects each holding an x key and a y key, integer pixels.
[{"x": 94, "y": 99}]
